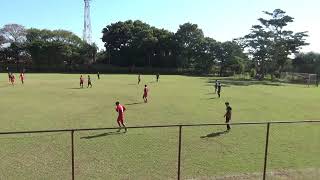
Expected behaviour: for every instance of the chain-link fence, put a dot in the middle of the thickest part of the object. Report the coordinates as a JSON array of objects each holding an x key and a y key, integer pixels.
[{"x": 270, "y": 150}]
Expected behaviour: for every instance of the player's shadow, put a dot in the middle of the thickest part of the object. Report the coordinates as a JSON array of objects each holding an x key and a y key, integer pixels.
[
  {"x": 102, "y": 135},
  {"x": 136, "y": 103},
  {"x": 215, "y": 134},
  {"x": 213, "y": 98},
  {"x": 6, "y": 86},
  {"x": 210, "y": 93},
  {"x": 210, "y": 98},
  {"x": 76, "y": 88}
]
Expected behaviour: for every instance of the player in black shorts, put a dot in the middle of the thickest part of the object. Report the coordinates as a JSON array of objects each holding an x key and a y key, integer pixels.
[
  {"x": 228, "y": 115},
  {"x": 139, "y": 79},
  {"x": 215, "y": 86},
  {"x": 89, "y": 82},
  {"x": 219, "y": 89}
]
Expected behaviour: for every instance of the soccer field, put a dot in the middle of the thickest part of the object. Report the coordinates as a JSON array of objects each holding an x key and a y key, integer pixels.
[{"x": 55, "y": 101}]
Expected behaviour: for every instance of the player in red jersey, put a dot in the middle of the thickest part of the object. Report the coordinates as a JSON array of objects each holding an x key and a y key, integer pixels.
[
  {"x": 22, "y": 78},
  {"x": 120, "y": 109},
  {"x": 12, "y": 78},
  {"x": 81, "y": 81},
  {"x": 145, "y": 94}
]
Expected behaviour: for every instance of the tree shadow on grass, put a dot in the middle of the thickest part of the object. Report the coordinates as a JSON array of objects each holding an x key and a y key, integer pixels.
[
  {"x": 103, "y": 135},
  {"x": 243, "y": 82},
  {"x": 215, "y": 134}
]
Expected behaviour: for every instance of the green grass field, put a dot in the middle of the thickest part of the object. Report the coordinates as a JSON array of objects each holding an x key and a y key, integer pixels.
[{"x": 54, "y": 101}]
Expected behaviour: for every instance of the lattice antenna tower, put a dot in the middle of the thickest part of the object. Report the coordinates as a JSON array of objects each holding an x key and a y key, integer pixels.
[{"x": 87, "y": 32}]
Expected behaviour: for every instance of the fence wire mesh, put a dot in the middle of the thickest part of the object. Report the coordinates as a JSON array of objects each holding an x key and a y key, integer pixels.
[
  {"x": 138, "y": 154},
  {"x": 294, "y": 151},
  {"x": 207, "y": 152},
  {"x": 214, "y": 153},
  {"x": 35, "y": 156}
]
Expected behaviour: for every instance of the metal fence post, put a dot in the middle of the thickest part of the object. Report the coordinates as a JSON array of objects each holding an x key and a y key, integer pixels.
[
  {"x": 72, "y": 153},
  {"x": 179, "y": 152},
  {"x": 266, "y": 152}
]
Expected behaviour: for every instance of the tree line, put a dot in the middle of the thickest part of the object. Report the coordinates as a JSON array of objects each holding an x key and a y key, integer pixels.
[
  {"x": 134, "y": 43},
  {"x": 267, "y": 49},
  {"x": 42, "y": 47}
]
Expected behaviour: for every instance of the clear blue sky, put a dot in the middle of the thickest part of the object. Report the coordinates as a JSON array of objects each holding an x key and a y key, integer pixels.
[{"x": 220, "y": 19}]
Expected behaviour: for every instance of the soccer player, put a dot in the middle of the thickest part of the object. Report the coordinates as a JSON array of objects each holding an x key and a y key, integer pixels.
[
  {"x": 22, "y": 78},
  {"x": 219, "y": 89},
  {"x": 158, "y": 75},
  {"x": 9, "y": 74},
  {"x": 12, "y": 78},
  {"x": 145, "y": 93},
  {"x": 9, "y": 77},
  {"x": 89, "y": 82},
  {"x": 228, "y": 115},
  {"x": 139, "y": 79},
  {"x": 81, "y": 81},
  {"x": 98, "y": 74},
  {"x": 120, "y": 109},
  {"x": 215, "y": 86}
]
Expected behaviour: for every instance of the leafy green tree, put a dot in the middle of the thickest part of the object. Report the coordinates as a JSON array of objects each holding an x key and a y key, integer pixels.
[
  {"x": 270, "y": 43},
  {"x": 284, "y": 42},
  {"x": 165, "y": 48},
  {"x": 132, "y": 43},
  {"x": 258, "y": 44},
  {"x": 307, "y": 63},
  {"x": 230, "y": 57},
  {"x": 13, "y": 33},
  {"x": 58, "y": 47},
  {"x": 2, "y": 40},
  {"x": 188, "y": 38},
  {"x": 206, "y": 55}
]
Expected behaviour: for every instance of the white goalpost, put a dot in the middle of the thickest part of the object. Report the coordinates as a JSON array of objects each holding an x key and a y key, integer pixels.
[{"x": 304, "y": 78}]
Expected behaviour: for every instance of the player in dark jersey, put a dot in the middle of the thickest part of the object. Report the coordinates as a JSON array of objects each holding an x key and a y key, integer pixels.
[
  {"x": 9, "y": 77},
  {"x": 139, "y": 79},
  {"x": 98, "y": 74},
  {"x": 228, "y": 115},
  {"x": 158, "y": 76},
  {"x": 120, "y": 120},
  {"x": 9, "y": 74},
  {"x": 81, "y": 81},
  {"x": 89, "y": 82},
  {"x": 216, "y": 87},
  {"x": 219, "y": 89}
]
